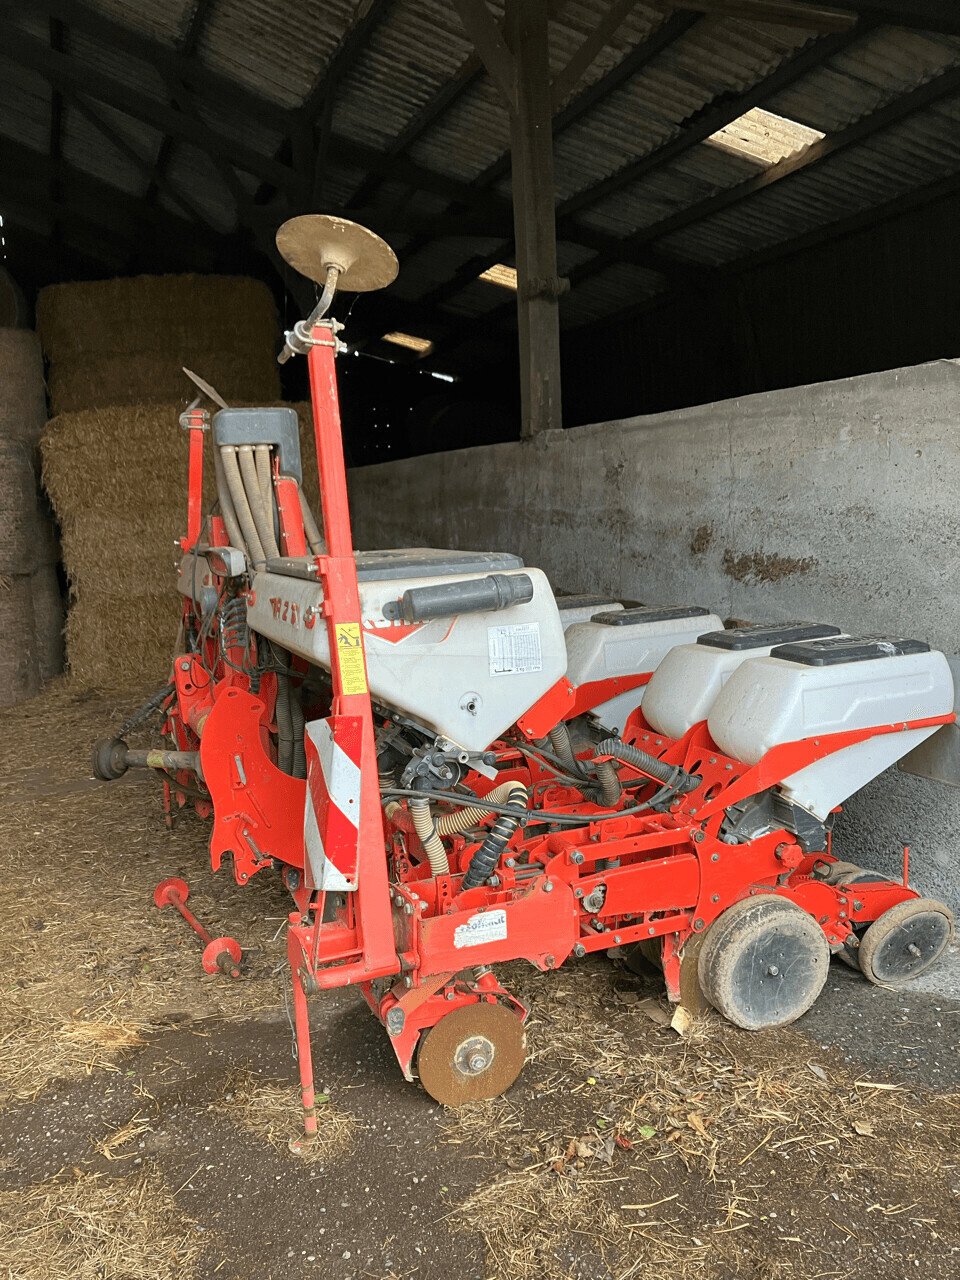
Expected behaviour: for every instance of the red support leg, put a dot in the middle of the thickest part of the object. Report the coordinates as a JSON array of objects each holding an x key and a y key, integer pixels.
[{"x": 301, "y": 1019}]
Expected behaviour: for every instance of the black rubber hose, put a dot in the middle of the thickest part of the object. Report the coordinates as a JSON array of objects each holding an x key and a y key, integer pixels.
[
  {"x": 485, "y": 859},
  {"x": 142, "y": 714},
  {"x": 670, "y": 775},
  {"x": 560, "y": 741},
  {"x": 610, "y": 788}
]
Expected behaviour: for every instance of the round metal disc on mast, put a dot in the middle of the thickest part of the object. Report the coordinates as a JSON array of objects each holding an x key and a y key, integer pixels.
[{"x": 312, "y": 243}]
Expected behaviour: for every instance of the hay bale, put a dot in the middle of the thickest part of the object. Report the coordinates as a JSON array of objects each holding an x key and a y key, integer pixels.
[
  {"x": 241, "y": 375},
  {"x": 19, "y": 527},
  {"x": 125, "y": 341},
  {"x": 117, "y": 478},
  {"x": 13, "y": 305},
  {"x": 136, "y": 314},
  {"x": 48, "y": 620},
  {"x": 23, "y": 400},
  {"x": 115, "y": 640},
  {"x": 19, "y": 670}
]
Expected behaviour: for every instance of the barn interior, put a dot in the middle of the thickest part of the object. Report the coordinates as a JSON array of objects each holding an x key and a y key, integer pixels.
[{"x": 675, "y": 322}]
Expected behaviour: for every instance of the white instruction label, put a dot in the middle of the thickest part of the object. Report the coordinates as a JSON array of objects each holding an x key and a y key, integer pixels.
[
  {"x": 515, "y": 650},
  {"x": 485, "y": 926}
]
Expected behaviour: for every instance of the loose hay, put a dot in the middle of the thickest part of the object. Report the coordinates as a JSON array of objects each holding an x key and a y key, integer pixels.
[
  {"x": 666, "y": 1155},
  {"x": 93, "y": 967},
  {"x": 89, "y": 1227},
  {"x": 271, "y": 1113}
]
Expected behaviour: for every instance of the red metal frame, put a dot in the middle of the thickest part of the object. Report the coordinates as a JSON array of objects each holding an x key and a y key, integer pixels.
[{"x": 407, "y": 937}]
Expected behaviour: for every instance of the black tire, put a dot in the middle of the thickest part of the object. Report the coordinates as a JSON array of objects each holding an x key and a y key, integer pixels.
[
  {"x": 763, "y": 962},
  {"x": 905, "y": 941}
]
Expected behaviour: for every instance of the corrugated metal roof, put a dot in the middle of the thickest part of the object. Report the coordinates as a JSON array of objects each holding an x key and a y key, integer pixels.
[{"x": 282, "y": 50}]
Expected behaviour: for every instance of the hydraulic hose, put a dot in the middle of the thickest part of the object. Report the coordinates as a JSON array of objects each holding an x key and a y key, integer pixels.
[
  {"x": 261, "y": 517},
  {"x": 669, "y": 774},
  {"x": 227, "y": 509},
  {"x": 485, "y": 859},
  {"x": 432, "y": 844},
  {"x": 231, "y": 472}
]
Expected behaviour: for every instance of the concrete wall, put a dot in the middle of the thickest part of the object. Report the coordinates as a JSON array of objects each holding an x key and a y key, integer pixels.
[{"x": 836, "y": 502}]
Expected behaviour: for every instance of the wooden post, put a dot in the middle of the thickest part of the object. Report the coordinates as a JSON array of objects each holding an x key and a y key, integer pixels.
[{"x": 534, "y": 216}]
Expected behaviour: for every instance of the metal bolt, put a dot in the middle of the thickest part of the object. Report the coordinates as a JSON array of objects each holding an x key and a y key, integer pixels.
[
  {"x": 650, "y": 931},
  {"x": 843, "y": 915},
  {"x": 408, "y": 908},
  {"x": 493, "y": 881},
  {"x": 477, "y": 1062},
  {"x": 548, "y": 886},
  {"x": 696, "y": 837},
  {"x": 578, "y": 892},
  {"x": 408, "y": 981},
  {"x": 579, "y": 950},
  {"x": 616, "y": 938},
  {"x": 857, "y": 906},
  {"x": 576, "y": 857},
  {"x": 713, "y": 759},
  {"x": 184, "y": 666},
  {"x": 511, "y": 862},
  {"x": 698, "y": 924},
  {"x": 714, "y": 857},
  {"x": 773, "y": 970},
  {"x": 715, "y": 897},
  {"x": 914, "y": 950}
]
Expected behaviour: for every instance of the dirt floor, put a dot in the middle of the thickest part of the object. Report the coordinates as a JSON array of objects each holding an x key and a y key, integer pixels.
[{"x": 145, "y": 1107}]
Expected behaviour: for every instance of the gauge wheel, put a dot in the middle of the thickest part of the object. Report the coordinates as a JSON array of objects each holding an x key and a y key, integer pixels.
[
  {"x": 905, "y": 941},
  {"x": 763, "y": 962},
  {"x": 475, "y": 1052}
]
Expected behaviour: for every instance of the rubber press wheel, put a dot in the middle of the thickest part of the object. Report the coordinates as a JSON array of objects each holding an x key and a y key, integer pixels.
[
  {"x": 905, "y": 941},
  {"x": 763, "y": 962},
  {"x": 475, "y": 1052}
]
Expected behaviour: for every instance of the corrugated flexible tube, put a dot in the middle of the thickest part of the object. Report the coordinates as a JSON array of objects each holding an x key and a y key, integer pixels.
[{"x": 234, "y": 481}]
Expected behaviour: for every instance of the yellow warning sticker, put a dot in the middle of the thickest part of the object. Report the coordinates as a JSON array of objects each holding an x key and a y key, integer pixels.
[{"x": 353, "y": 675}]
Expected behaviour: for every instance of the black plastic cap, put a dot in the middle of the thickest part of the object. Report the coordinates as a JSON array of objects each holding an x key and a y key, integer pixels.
[
  {"x": 649, "y": 613},
  {"x": 763, "y": 635},
  {"x": 583, "y": 602},
  {"x": 832, "y": 653}
]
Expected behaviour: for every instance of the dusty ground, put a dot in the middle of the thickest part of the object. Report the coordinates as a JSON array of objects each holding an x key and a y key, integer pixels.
[{"x": 145, "y": 1106}]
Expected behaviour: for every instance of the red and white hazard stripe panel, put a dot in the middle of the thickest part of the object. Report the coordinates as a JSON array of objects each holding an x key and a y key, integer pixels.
[{"x": 331, "y": 824}]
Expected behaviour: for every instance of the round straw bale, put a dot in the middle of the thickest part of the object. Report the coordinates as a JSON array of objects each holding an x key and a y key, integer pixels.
[
  {"x": 23, "y": 399},
  {"x": 47, "y": 549},
  {"x": 19, "y": 671},
  {"x": 161, "y": 314},
  {"x": 13, "y": 305},
  {"x": 240, "y": 375},
  {"x": 19, "y": 529},
  {"x": 48, "y": 619}
]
